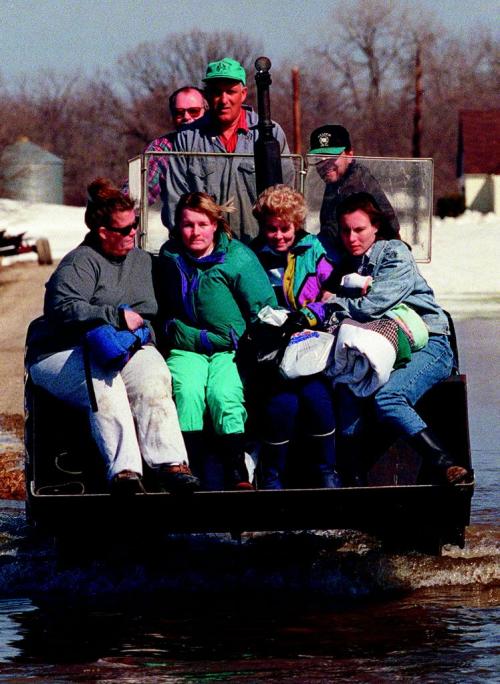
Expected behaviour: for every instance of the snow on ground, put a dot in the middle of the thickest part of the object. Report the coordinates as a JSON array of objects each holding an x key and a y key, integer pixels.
[
  {"x": 62, "y": 226},
  {"x": 464, "y": 270}
]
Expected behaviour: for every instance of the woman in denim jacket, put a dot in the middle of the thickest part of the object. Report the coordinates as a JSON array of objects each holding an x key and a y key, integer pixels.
[{"x": 393, "y": 279}]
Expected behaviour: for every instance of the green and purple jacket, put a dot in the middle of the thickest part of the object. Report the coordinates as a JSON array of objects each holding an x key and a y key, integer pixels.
[
  {"x": 298, "y": 276},
  {"x": 207, "y": 303}
]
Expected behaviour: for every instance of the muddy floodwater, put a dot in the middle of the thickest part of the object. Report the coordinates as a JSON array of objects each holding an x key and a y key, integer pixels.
[{"x": 298, "y": 607}]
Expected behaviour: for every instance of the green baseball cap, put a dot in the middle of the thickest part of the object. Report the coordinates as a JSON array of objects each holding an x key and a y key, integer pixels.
[{"x": 226, "y": 68}]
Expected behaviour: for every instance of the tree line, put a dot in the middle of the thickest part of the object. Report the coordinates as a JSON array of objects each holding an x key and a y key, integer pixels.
[{"x": 361, "y": 73}]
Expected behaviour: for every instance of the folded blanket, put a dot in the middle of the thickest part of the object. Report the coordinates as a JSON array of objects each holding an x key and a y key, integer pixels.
[
  {"x": 363, "y": 357},
  {"x": 366, "y": 353}
]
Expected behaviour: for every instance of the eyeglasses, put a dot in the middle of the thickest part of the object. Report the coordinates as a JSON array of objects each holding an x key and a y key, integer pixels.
[
  {"x": 126, "y": 230},
  {"x": 322, "y": 160},
  {"x": 192, "y": 111}
]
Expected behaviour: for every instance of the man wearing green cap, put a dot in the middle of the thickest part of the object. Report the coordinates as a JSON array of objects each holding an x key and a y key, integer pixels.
[
  {"x": 230, "y": 126},
  {"x": 343, "y": 175}
]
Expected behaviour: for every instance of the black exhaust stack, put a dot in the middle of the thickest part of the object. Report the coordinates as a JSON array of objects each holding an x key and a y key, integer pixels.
[{"x": 267, "y": 152}]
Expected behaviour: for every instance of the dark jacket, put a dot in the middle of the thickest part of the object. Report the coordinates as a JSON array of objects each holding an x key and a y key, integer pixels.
[
  {"x": 357, "y": 178},
  {"x": 396, "y": 279}
]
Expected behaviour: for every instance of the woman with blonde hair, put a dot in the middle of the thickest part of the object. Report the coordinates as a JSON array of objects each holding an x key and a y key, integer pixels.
[
  {"x": 210, "y": 287},
  {"x": 299, "y": 270}
]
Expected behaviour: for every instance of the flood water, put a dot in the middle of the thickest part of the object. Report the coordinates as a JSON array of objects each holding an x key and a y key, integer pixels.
[{"x": 274, "y": 608}]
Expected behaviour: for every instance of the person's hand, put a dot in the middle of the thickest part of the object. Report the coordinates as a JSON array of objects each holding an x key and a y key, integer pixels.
[{"x": 132, "y": 319}]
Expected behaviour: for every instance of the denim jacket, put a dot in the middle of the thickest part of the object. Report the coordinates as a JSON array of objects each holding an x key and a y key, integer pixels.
[{"x": 396, "y": 279}]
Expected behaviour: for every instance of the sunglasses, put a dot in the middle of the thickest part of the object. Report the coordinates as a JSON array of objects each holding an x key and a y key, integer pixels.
[
  {"x": 323, "y": 160},
  {"x": 192, "y": 111},
  {"x": 126, "y": 230}
]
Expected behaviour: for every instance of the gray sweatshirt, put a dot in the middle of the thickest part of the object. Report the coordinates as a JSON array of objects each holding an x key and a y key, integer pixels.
[{"x": 86, "y": 290}]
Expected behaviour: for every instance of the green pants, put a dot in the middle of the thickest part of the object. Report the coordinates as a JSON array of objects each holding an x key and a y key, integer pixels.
[{"x": 207, "y": 383}]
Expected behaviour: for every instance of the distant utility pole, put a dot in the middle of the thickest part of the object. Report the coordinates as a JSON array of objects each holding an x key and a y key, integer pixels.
[
  {"x": 297, "y": 119},
  {"x": 417, "y": 114}
]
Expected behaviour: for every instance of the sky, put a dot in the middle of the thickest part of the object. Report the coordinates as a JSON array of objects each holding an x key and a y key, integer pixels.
[{"x": 85, "y": 35}]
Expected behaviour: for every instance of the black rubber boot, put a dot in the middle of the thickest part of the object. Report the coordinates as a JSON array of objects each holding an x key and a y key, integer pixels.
[
  {"x": 233, "y": 459},
  {"x": 272, "y": 460},
  {"x": 437, "y": 465},
  {"x": 203, "y": 460},
  {"x": 323, "y": 452}
]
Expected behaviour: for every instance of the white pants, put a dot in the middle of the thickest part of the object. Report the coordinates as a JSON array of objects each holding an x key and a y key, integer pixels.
[{"x": 136, "y": 414}]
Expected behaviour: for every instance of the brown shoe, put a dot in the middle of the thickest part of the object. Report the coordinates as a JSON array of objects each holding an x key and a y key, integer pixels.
[
  {"x": 457, "y": 475},
  {"x": 178, "y": 478},
  {"x": 127, "y": 482}
]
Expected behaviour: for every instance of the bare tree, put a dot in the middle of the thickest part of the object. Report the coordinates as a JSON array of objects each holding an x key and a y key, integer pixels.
[
  {"x": 458, "y": 74},
  {"x": 363, "y": 76},
  {"x": 152, "y": 71},
  {"x": 367, "y": 57},
  {"x": 180, "y": 59},
  {"x": 75, "y": 119}
]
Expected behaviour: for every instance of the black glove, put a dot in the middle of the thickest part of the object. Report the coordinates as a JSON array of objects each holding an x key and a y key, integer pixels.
[{"x": 295, "y": 322}]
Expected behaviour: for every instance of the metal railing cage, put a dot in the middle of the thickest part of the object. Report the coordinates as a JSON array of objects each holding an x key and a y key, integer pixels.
[{"x": 157, "y": 179}]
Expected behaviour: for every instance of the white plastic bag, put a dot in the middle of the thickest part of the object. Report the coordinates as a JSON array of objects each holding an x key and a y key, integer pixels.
[
  {"x": 272, "y": 316},
  {"x": 306, "y": 354}
]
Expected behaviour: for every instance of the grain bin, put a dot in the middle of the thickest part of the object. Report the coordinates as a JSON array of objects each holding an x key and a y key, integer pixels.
[{"x": 30, "y": 173}]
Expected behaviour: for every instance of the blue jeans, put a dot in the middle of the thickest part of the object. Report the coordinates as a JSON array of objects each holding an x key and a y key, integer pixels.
[
  {"x": 305, "y": 401},
  {"x": 393, "y": 403}
]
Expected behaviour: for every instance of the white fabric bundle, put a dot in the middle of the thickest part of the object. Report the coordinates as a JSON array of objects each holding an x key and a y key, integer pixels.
[{"x": 362, "y": 358}]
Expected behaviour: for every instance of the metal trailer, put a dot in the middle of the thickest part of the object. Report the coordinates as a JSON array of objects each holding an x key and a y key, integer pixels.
[
  {"x": 14, "y": 245},
  {"x": 67, "y": 495}
]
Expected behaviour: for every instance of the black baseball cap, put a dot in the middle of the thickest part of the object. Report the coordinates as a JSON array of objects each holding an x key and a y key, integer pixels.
[{"x": 329, "y": 139}]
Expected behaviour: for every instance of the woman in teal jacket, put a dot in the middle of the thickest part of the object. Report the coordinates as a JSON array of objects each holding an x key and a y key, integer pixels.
[
  {"x": 210, "y": 288},
  {"x": 299, "y": 270}
]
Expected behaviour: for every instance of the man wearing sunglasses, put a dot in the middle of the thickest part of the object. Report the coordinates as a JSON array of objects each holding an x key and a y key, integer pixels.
[
  {"x": 332, "y": 154},
  {"x": 187, "y": 104}
]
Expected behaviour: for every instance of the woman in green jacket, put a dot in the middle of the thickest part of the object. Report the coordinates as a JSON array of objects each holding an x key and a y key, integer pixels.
[{"x": 210, "y": 288}]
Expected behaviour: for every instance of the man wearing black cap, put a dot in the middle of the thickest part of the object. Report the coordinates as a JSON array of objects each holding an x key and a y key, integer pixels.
[
  {"x": 343, "y": 176},
  {"x": 229, "y": 126}
]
